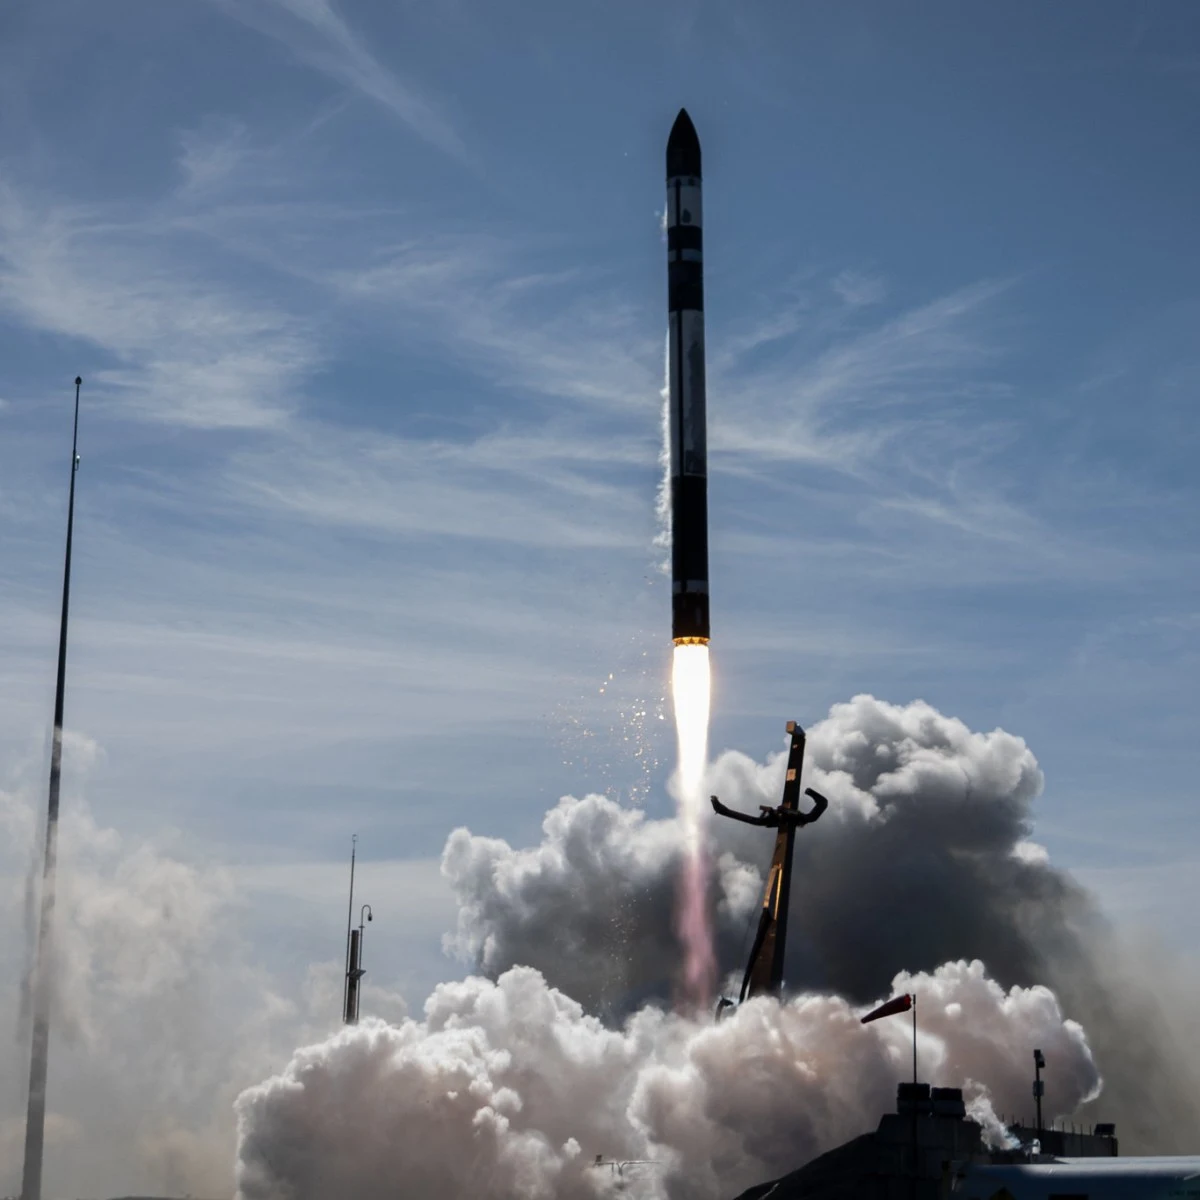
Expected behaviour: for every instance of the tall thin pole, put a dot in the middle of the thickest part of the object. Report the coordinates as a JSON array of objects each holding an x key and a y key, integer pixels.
[
  {"x": 39, "y": 1055},
  {"x": 914, "y": 1013},
  {"x": 349, "y": 925},
  {"x": 916, "y": 1141},
  {"x": 1039, "y": 1088}
]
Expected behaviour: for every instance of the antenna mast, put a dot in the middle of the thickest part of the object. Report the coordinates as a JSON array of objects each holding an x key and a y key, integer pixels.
[{"x": 39, "y": 1055}]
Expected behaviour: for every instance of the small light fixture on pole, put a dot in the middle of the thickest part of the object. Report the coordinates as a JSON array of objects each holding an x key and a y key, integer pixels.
[
  {"x": 370, "y": 916},
  {"x": 354, "y": 948}
]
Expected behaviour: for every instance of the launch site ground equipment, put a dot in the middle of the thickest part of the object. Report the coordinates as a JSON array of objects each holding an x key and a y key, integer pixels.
[{"x": 764, "y": 968}]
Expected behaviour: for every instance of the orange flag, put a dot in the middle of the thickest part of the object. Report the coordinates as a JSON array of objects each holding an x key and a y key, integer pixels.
[{"x": 891, "y": 1008}]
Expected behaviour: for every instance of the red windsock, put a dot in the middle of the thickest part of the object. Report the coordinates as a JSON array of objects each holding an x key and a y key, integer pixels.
[{"x": 891, "y": 1008}]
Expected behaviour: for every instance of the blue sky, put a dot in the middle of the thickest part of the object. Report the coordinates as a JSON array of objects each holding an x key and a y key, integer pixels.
[{"x": 369, "y": 303}]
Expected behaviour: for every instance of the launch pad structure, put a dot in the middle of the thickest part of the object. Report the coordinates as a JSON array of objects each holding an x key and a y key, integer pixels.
[
  {"x": 929, "y": 1148},
  {"x": 765, "y": 965}
]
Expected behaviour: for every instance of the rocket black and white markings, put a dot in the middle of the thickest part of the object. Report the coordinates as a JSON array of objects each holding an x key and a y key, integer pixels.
[{"x": 689, "y": 451}]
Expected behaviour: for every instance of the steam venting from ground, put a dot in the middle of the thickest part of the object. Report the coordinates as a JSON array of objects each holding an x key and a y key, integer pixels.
[
  {"x": 921, "y": 878},
  {"x": 691, "y": 690}
]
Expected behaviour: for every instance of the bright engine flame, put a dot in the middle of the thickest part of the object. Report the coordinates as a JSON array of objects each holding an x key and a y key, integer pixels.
[
  {"x": 691, "y": 689},
  {"x": 691, "y": 692}
]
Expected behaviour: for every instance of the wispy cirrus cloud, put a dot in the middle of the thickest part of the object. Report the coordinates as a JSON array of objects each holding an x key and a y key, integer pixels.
[
  {"x": 896, "y": 429},
  {"x": 545, "y": 491},
  {"x": 889, "y": 400},
  {"x": 498, "y": 302},
  {"x": 319, "y": 36},
  {"x": 857, "y": 289},
  {"x": 555, "y": 333},
  {"x": 212, "y": 153},
  {"x": 810, "y": 405},
  {"x": 883, "y": 399},
  {"x": 181, "y": 349}
]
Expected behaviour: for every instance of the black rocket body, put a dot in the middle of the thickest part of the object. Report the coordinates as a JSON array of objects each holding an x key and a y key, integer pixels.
[{"x": 688, "y": 407}]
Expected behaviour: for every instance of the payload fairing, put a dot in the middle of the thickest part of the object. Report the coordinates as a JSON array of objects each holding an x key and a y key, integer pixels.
[{"x": 688, "y": 417}]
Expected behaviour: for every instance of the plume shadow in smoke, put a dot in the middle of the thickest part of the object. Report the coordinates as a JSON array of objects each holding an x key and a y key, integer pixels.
[{"x": 923, "y": 858}]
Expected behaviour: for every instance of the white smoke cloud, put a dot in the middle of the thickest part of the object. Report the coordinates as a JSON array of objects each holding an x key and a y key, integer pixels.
[
  {"x": 924, "y": 857},
  {"x": 160, "y": 1017},
  {"x": 510, "y": 1088},
  {"x": 925, "y": 816},
  {"x": 513, "y": 1083},
  {"x": 136, "y": 954}
]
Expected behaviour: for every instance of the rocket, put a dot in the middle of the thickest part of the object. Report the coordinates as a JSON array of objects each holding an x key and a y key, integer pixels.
[{"x": 687, "y": 418}]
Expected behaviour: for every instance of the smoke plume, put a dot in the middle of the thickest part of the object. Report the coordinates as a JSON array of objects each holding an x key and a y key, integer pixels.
[
  {"x": 509, "y": 1088},
  {"x": 160, "y": 1017},
  {"x": 920, "y": 878},
  {"x": 136, "y": 954},
  {"x": 924, "y": 857}
]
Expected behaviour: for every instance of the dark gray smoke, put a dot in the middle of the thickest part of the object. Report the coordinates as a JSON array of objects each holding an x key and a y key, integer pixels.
[
  {"x": 922, "y": 858},
  {"x": 590, "y": 907}
]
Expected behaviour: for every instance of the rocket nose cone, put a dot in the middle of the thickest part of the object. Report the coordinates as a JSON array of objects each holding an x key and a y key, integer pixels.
[{"x": 683, "y": 147}]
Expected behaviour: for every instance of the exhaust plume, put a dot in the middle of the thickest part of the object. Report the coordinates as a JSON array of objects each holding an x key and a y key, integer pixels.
[{"x": 690, "y": 690}]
